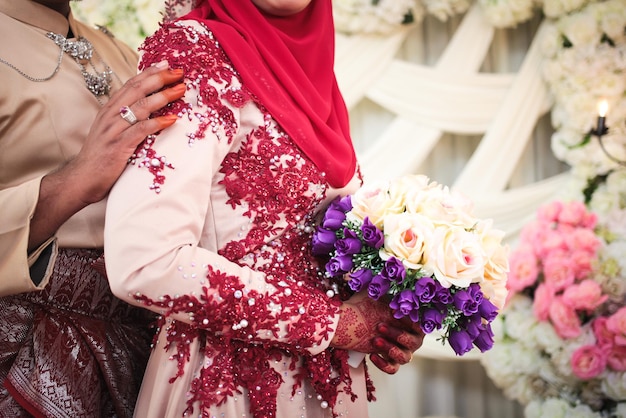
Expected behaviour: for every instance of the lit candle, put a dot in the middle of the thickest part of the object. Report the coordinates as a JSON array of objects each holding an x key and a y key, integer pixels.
[{"x": 603, "y": 107}]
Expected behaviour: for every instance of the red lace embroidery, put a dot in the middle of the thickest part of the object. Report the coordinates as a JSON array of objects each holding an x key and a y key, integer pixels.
[{"x": 239, "y": 328}]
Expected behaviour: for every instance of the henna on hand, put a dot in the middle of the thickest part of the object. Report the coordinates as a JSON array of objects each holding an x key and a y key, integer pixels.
[
  {"x": 367, "y": 326},
  {"x": 359, "y": 317}
]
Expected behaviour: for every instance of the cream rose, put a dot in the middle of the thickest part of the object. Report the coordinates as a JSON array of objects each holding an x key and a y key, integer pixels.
[
  {"x": 376, "y": 201},
  {"x": 406, "y": 238},
  {"x": 439, "y": 203},
  {"x": 455, "y": 256},
  {"x": 496, "y": 265}
]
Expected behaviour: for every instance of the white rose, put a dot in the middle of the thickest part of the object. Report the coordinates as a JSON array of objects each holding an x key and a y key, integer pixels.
[
  {"x": 614, "y": 385},
  {"x": 555, "y": 408},
  {"x": 519, "y": 323},
  {"x": 497, "y": 264},
  {"x": 612, "y": 15},
  {"x": 442, "y": 206},
  {"x": 556, "y": 8},
  {"x": 406, "y": 238},
  {"x": 580, "y": 28},
  {"x": 545, "y": 337},
  {"x": 455, "y": 256},
  {"x": 376, "y": 201},
  {"x": 498, "y": 364},
  {"x": 522, "y": 390}
]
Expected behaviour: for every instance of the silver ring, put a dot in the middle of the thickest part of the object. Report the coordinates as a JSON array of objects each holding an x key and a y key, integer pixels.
[{"x": 128, "y": 115}]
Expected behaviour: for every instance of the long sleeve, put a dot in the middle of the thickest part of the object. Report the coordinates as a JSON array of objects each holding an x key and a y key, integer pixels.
[
  {"x": 205, "y": 247},
  {"x": 17, "y": 205},
  {"x": 39, "y": 133}
]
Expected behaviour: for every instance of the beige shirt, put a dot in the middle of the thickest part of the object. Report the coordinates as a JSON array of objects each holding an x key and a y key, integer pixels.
[{"x": 42, "y": 126}]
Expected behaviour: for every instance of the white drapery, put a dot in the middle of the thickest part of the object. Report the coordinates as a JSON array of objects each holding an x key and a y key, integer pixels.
[{"x": 465, "y": 104}]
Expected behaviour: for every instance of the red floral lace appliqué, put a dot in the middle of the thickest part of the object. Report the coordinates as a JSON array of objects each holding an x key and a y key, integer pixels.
[
  {"x": 205, "y": 65},
  {"x": 228, "y": 319}
]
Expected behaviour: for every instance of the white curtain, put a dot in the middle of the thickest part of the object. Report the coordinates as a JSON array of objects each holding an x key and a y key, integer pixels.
[{"x": 465, "y": 104}]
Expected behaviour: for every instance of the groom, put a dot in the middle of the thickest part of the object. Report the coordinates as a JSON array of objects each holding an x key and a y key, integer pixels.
[{"x": 68, "y": 347}]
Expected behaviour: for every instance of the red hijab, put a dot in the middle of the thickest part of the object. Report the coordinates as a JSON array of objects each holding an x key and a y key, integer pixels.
[{"x": 288, "y": 63}]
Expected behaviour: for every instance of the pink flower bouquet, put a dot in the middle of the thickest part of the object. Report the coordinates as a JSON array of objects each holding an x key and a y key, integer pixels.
[
  {"x": 416, "y": 244},
  {"x": 562, "y": 344}
]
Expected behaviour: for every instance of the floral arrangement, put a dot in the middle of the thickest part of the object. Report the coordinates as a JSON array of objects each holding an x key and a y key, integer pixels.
[
  {"x": 560, "y": 342},
  {"x": 416, "y": 244},
  {"x": 583, "y": 64},
  {"x": 129, "y": 20},
  {"x": 385, "y": 16}
]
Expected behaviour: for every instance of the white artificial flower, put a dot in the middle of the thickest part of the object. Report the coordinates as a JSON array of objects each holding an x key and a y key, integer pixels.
[
  {"x": 444, "y": 9},
  {"x": 507, "y": 13},
  {"x": 558, "y": 8},
  {"x": 614, "y": 385}
]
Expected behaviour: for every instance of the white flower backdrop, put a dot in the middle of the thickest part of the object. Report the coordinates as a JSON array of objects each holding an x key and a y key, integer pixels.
[{"x": 493, "y": 97}]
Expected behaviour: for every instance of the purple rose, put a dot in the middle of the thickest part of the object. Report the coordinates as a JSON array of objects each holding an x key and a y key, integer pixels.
[
  {"x": 378, "y": 287},
  {"x": 333, "y": 219},
  {"x": 425, "y": 289},
  {"x": 431, "y": 320},
  {"x": 372, "y": 236},
  {"x": 339, "y": 265},
  {"x": 342, "y": 204},
  {"x": 348, "y": 246},
  {"x": 443, "y": 296},
  {"x": 360, "y": 279},
  {"x": 484, "y": 340},
  {"x": 323, "y": 242},
  {"x": 476, "y": 293},
  {"x": 464, "y": 302},
  {"x": 460, "y": 341},
  {"x": 488, "y": 310},
  {"x": 471, "y": 324},
  {"x": 394, "y": 270},
  {"x": 405, "y": 304}
]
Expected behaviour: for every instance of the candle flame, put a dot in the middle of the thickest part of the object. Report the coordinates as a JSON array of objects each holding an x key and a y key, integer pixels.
[{"x": 603, "y": 107}]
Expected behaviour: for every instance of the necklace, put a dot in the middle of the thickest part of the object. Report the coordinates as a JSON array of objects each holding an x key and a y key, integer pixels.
[{"x": 81, "y": 50}]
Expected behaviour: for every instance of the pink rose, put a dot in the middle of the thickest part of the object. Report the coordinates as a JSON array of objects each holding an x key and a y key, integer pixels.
[
  {"x": 550, "y": 212},
  {"x": 565, "y": 320},
  {"x": 588, "y": 362},
  {"x": 573, "y": 213},
  {"x": 553, "y": 241},
  {"x": 544, "y": 294},
  {"x": 604, "y": 337},
  {"x": 616, "y": 324},
  {"x": 616, "y": 358},
  {"x": 532, "y": 234},
  {"x": 582, "y": 263},
  {"x": 558, "y": 270},
  {"x": 586, "y": 295},
  {"x": 583, "y": 239},
  {"x": 523, "y": 269},
  {"x": 590, "y": 221}
]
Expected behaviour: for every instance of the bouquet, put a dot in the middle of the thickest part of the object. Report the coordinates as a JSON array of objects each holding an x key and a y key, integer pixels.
[
  {"x": 562, "y": 346},
  {"x": 417, "y": 245}
]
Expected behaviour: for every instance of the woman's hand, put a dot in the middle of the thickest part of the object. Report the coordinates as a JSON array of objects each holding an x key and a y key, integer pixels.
[
  {"x": 367, "y": 326},
  {"x": 112, "y": 139},
  {"x": 89, "y": 176}
]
